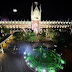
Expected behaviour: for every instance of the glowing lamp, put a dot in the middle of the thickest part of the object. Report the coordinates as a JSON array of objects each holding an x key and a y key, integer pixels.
[
  {"x": 24, "y": 57},
  {"x": 28, "y": 63},
  {"x": 36, "y": 69},
  {"x": 44, "y": 70},
  {"x": 24, "y": 53}
]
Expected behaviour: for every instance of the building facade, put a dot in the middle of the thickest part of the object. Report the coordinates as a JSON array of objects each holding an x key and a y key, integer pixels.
[{"x": 35, "y": 24}]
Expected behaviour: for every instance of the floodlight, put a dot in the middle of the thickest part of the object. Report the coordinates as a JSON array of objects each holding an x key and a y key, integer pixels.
[
  {"x": 24, "y": 53},
  {"x": 36, "y": 69},
  {"x": 44, "y": 70},
  {"x": 24, "y": 57},
  {"x": 27, "y": 63}
]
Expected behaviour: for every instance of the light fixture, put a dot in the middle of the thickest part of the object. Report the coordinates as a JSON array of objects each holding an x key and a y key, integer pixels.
[
  {"x": 24, "y": 57},
  {"x": 44, "y": 70},
  {"x": 36, "y": 69},
  {"x": 28, "y": 63},
  {"x": 25, "y": 60},
  {"x": 24, "y": 53}
]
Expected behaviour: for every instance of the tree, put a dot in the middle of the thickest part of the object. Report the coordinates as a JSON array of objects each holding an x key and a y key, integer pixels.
[
  {"x": 31, "y": 36},
  {"x": 6, "y": 30},
  {"x": 20, "y": 36},
  {"x": 62, "y": 37},
  {"x": 43, "y": 33}
]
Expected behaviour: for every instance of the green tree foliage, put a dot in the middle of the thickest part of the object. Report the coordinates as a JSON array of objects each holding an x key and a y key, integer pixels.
[
  {"x": 63, "y": 37},
  {"x": 41, "y": 38},
  {"x": 0, "y": 37},
  {"x": 20, "y": 36},
  {"x": 59, "y": 37},
  {"x": 43, "y": 33},
  {"x": 6, "y": 30},
  {"x": 31, "y": 36},
  {"x": 51, "y": 33}
]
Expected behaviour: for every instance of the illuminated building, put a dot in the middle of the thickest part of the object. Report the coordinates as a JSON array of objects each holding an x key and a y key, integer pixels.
[{"x": 35, "y": 24}]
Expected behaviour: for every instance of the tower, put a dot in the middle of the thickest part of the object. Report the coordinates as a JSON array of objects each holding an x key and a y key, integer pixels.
[{"x": 35, "y": 18}]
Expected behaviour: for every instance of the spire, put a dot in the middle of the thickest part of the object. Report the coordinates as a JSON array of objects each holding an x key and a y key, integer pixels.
[
  {"x": 40, "y": 7},
  {"x": 40, "y": 11},
  {"x": 36, "y": 8},
  {"x": 36, "y": 3},
  {"x": 32, "y": 9}
]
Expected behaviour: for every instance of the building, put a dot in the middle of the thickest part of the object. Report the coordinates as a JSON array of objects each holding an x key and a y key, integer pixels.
[{"x": 35, "y": 24}]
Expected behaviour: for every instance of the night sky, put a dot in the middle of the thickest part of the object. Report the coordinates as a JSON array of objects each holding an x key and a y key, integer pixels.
[{"x": 51, "y": 9}]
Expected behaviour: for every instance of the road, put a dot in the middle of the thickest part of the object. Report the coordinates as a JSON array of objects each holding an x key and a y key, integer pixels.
[
  {"x": 13, "y": 63},
  {"x": 10, "y": 62}
]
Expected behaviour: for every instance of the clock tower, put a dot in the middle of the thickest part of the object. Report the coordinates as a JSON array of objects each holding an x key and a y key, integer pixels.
[{"x": 36, "y": 18}]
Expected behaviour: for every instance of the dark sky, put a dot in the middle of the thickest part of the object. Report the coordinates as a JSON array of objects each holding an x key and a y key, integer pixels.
[{"x": 51, "y": 9}]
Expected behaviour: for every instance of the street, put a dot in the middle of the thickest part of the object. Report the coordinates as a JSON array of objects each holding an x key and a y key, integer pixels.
[{"x": 14, "y": 62}]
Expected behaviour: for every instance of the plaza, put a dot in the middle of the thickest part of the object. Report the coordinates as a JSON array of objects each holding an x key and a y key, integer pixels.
[{"x": 36, "y": 45}]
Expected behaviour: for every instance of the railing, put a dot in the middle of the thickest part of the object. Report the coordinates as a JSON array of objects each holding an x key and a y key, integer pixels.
[{"x": 5, "y": 40}]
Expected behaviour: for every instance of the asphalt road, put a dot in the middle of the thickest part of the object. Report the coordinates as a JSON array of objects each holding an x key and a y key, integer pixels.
[{"x": 14, "y": 62}]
